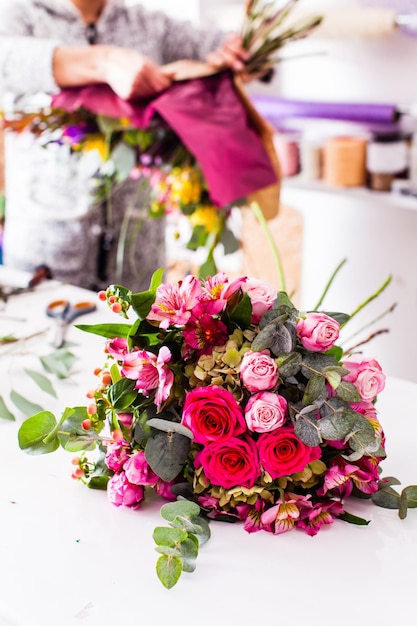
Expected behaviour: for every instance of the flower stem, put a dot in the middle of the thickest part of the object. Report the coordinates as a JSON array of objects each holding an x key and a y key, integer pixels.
[
  {"x": 262, "y": 221},
  {"x": 327, "y": 287}
]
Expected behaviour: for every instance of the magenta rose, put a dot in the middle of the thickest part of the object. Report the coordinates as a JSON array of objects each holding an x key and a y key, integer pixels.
[
  {"x": 262, "y": 297},
  {"x": 265, "y": 411},
  {"x": 230, "y": 463},
  {"x": 137, "y": 470},
  {"x": 318, "y": 332},
  {"x": 258, "y": 371},
  {"x": 367, "y": 376},
  {"x": 282, "y": 453},
  {"x": 121, "y": 492},
  {"x": 212, "y": 413}
]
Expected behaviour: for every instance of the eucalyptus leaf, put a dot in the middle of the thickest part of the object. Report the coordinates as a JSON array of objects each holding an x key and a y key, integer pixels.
[
  {"x": 290, "y": 364},
  {"x": 169, "y": 551},
  {"x": 348, "y": 392},
  {"x": 168, "y": 426},
  {"x": 166, "y": 454},
  {"x": 24, "y": 405},
  {"x": 342, "y": 318},
  {"x": 230, "y": 242},
  {"x": 336, "y": 426},
  {"x": 410, "y": 493},
  {"x": 169, "y": 570},
  {"x": 181, "y": 508},
  {"x": 59, "y": 363},
  {"x": 386, "y": 497},
  {"x": 279, "y": 316},
  {"x": 306, "y": 429},
  {"x": 314, "y": 390},
  {"x": 42, "y": 381},
  {"x": 72, "y": 435},
  {"x": 315, "y": 362},
  {"x": 35, "y": 430},
  {"x": 5, "y": 413},
  {"x": 166, "y": 536},
  {"x": 362, "y": 434}
]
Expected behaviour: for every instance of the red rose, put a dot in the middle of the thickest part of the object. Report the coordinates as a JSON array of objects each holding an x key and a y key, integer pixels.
[
  {"x": 212, "y": 413},
  {"x": 230, "y": 463},
  {"x": 282, "y": 453}
]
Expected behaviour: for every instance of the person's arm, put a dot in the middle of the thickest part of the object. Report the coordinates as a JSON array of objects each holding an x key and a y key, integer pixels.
[{"x": 129, "y": 73}]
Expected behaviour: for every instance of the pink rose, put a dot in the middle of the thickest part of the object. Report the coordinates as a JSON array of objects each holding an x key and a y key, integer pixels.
[
  {"x": 121, "y": 492},
  {"x": 212, "y": 413},
  {"x": 262, "y": 297},
  {"x": 258, "y": 371},
  {"x": 137, "y": 470},
  {"x": 265, "y": 411},
  {"x": 367, "y": 376},
  {"x": 230, "y": 463},
  {"x": 116, "y": 455},
  {"x": 318, "y": 332},
  {"x": 283, "y": 454}
]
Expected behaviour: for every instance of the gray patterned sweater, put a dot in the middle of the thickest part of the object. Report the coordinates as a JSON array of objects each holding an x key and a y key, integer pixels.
[{"x": 49, "y": 214}]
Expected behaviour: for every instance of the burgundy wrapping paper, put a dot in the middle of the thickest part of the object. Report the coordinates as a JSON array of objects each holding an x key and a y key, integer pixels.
[{"x": 210, "y": 119}]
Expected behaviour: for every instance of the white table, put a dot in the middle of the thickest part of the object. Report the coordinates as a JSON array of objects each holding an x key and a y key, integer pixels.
[{"x": 69, "y": 557}]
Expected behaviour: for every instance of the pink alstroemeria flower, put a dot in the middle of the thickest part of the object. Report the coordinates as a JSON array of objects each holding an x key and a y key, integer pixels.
[
  {"x": 174, "y": 303},
  {"x": 342, "y": 476},
  {"x": 203, "y": 331},
  {"x": 117, "y": 347},
  {"x": 282, "y": 517},
  {"x": 150, "y": 372},
  {"x": 320, "y": 514},
  {"x": 217, "y": 287}
]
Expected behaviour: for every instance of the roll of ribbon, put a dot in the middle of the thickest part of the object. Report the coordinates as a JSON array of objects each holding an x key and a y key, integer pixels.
[
  {"x": 345, "y": 161},
  {"x": 288, "y": 152}
]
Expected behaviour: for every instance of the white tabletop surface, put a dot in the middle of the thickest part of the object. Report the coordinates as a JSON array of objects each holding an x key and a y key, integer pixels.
[{"x": 68, "y": 557}]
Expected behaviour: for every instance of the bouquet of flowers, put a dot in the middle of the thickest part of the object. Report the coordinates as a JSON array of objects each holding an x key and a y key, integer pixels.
[{"x": 221, "y": 395}]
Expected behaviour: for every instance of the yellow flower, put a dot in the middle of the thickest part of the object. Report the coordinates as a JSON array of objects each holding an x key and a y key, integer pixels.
[
  {"x": 207, "y": 216},
  {"x": 96, "y": 142}
]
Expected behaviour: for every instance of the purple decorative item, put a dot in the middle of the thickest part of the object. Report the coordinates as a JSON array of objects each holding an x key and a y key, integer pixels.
[
  {"x": 210, "y": 119},
  {"x": 276, "y": 109}
]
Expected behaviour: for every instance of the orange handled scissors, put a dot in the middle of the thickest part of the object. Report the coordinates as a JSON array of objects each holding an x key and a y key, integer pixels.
[{"x": 65, "y": 313}]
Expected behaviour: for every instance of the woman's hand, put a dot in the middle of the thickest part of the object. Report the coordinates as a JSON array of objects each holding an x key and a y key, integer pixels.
[
  {"x": 133, "y": 75},
  {"x": 231, "y": 54}
]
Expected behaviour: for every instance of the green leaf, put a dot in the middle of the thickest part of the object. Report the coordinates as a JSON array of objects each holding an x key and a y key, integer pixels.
[
  {"x": 98, "y": 482},
  {"x": 306, "y": 429},
  {"x": 124, "y": 159},
  {"x": 181, "y": 508},
  {"x": 342, "y": 318},
  {"x": 198, "y": 238},
  {"x": 408, "y": 500},
  {"x": 242, "y": 313},
  {"x": 169, "y": 570},
  {"x": 362, "y": 434},
  {"x": 290, "y": 364},
  {"x": 72, "y": 435},
  {"x": 142, "y": 302},
  {"x": 42, "y": 381},
  {"x": 337, "y": 426},
  {"x": 314, "y": 362},
  {"x": 386, "y": 496},
  {"x": 109, "y": 331},
  {"x": 166, "y": 454},
  {"x": 315, "y": 387},
  {"x": 156, "y": 279},
  {"x": 122, "y": 394},
  {"x": 348, "y": 392},
  {"x": 34, "y": 430},
  {"x": 209, "y": 267},
  {"x": 4, "y": 412},
  {"x": 275, "y": 337},
  {"x": 166, "y": 536},
  {"x": 189, "y": 553},
  {"x": 230, "y": 242},
  {"x": 353, "y": 519},
  {"x": 59, "y": 363},
  {"x": 24, "y": 405},
  {"x": 284, "y": 301}
]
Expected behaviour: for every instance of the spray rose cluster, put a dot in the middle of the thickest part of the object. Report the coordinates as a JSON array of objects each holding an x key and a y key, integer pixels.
[{"x": 224, "y": 393}]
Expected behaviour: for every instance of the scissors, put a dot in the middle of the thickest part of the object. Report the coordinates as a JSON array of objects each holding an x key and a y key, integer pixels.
[
  {"x": 41, "y": 273},
  {"x": 65, "y": 313}
]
